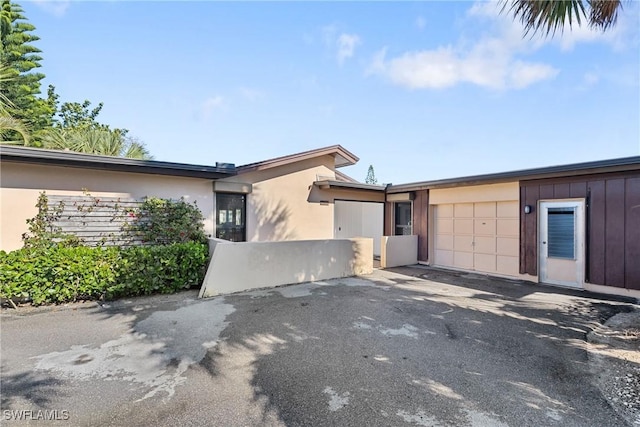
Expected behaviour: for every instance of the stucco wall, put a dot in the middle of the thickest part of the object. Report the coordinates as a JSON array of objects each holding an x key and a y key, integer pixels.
[
  {"x": 398, "y": 251},
  {"x": 280, "y": 208},
  {"x": 236, "y": 267},
  {"x": 476, "y": 193},
  {"x": 22, "y": 183}
]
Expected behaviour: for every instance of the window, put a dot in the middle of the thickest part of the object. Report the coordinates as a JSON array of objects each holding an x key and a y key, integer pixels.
[
  {"x": 402, "y": 215},
  {"x": 230, "y": 217},
  {"x": 561, "y": 233}
]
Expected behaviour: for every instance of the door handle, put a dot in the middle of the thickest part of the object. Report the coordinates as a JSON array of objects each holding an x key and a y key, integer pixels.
[{"x": 544, "y": 243}]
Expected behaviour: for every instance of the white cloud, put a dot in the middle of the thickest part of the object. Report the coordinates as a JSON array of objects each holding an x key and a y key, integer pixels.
[
  {"x": 590, "y": 78},
  {"x": 56, "y": 8},
  {"x": 492, "y": 61},
  {"x": 212, "y": 104},
  {"x": 347, "y": 44},
  {"x": 343, "y": 44},
  {"x": 251, "y": 94},
  {"x": 488, "y": 64}
]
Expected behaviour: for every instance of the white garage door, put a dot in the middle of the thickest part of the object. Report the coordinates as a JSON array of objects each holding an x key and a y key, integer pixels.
[
  {"x": 359, "y": 219},
  {"x": 478, "y": 236}
]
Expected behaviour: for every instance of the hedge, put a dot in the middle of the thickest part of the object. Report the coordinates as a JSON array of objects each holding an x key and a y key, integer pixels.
[{"x": 59, "y": 274}]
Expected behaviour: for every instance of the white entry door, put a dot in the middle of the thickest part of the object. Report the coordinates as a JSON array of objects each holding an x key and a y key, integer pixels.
[
  {"x": 359, "y": 219},
  {"x": 562, "y": 243}
]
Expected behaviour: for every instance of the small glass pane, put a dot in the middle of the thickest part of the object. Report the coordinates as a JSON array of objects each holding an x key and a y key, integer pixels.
[
  {"x": 403, "y": 218},
  {"x": 561, "y": 233}
]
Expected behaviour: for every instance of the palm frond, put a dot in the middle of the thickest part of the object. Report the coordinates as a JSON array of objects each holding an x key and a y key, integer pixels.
[{"x": 549, "y": 16}]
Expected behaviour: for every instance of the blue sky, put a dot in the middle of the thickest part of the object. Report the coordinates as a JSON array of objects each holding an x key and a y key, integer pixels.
[{"x": 420, "y": 90}]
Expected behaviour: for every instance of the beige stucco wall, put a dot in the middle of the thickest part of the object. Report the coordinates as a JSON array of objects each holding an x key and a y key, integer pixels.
[
  {"x": 398, "y": 251},
  {"x": 476, "y": 193},
  {"x": 22, "y": 183},
  {"x": 236, "y": 267},
  {"x": 280, "y": 206}
]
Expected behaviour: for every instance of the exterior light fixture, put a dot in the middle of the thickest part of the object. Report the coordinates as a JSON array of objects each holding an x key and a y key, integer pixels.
[{"x": 527, "y": 209}]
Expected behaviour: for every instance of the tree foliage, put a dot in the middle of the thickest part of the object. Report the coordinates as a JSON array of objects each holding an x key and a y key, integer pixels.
[
  {"x": 549, "y": 16},
  {"x": 371, "y": 176},
  {"x": 21, "y": 58},
  {"x": 28, "y": 119}
]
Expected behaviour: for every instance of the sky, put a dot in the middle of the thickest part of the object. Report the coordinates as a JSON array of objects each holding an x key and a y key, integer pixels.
[{"x": 420, "y": 90}]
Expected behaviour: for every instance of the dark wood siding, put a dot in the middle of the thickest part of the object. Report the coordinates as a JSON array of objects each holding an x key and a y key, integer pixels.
[
  {"x": 613, "y": 224},
  {"x": 632, "y": 229},
  {"x": 421, "y": 223},
  {"x": 388, "y": 218}
]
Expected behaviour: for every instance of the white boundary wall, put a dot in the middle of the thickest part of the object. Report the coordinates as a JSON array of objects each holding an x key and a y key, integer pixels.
[
  {"x": 236, "y": 267},
  {"x": 398, "y": 251}
]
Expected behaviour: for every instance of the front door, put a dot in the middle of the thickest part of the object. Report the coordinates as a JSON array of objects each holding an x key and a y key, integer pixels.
[
  {"x": 402, "y": 218},
  {"x": 230, "y": 217},
  {"x": 561, "y": 245}
]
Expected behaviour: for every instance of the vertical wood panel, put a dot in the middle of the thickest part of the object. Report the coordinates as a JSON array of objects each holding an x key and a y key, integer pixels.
[
  {"x": 614, "y": 240},
  {"x": 523, "y": 231},
  {"x": 578, "y": 189},
  {"x": 388, "y": 218},
  {"x": 416, "y": 217},
  {"x": 546, "y": 191},
  {"x": 597, "y": 232},
  {"x": 423, "y": 240},
  {"x": 632, "y": 233},
  {"x": 562, "y": 191},
  {"x": 531, "y": 235}
]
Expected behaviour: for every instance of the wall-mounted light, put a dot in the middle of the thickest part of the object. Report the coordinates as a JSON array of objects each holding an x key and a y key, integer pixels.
[{"x": 527, "y": 209}]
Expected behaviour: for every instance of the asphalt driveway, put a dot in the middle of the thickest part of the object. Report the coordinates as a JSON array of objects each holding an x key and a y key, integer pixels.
[{"x": 411, "y": 346}]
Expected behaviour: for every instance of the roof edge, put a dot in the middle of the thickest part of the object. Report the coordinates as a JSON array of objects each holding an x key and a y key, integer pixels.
[
  {"x": 342, "y": 157},
  {"x": 119, "y": 164},
  {"x": 584, "y": 168}
]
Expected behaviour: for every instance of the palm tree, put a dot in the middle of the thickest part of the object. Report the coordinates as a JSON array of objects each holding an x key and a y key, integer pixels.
[
  {"x": 550, "y": 15},
  {"x": 10, "y": 127},
  {"x": 101, "y": 141}
]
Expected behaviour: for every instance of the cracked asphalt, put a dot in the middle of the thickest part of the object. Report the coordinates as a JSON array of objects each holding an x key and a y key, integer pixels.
[{"x": 412, "y": 346}]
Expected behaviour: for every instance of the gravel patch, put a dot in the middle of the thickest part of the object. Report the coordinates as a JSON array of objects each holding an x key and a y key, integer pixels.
[{"x": 615, "y": 362}]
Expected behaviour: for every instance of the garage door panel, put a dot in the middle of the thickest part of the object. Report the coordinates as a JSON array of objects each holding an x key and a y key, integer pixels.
[
  {"x": 444, "y": 211},
  {"x": 444, "y": 225},
  {"x": 444, "y": 241},
  {"x": 463, "y": 226},
  {"x": 484, "y": 262},
  {"x": 509, "y": 265},
  {"x": 485, "y": 244},
  {"x": 484, "y": 227},
  {"x": 508, "y": 246},
  {"x": 463, "y": 243},
  {"x": 463, "y": 259},
  {"x": 508, "y": 209},
  {"x": 508, "y": 227},
  {"x": 463, "y": 210},
  {"x": 444, "y": 258},
  {"x": 484, "y": 210}
]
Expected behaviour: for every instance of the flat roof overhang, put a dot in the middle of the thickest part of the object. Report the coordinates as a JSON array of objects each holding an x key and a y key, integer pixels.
[
  {"x": 109, "y": 163},
  {"x": 625, "y": 164},
  {"x": 352, "y": 186}
]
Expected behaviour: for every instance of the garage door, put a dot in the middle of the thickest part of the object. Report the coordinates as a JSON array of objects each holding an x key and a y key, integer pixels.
[
  {"x": 359, "y": 219},
  {"x": 478, "y": 236}
]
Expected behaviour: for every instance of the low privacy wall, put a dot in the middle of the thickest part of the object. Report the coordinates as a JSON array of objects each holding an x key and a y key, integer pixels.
[
  {"x": 396, "y": 251},
  {"x": 236, "y": 267}
]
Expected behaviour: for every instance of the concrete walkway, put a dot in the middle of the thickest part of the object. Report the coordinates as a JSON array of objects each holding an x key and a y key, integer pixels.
[{"x": 411, "y": 346}]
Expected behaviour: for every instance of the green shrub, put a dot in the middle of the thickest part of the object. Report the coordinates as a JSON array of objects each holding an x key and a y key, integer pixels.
[
  {"x": 165, "y": 269},
  {"x": 58, "y": 274},
  {"x": 164, "y": 221}
]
